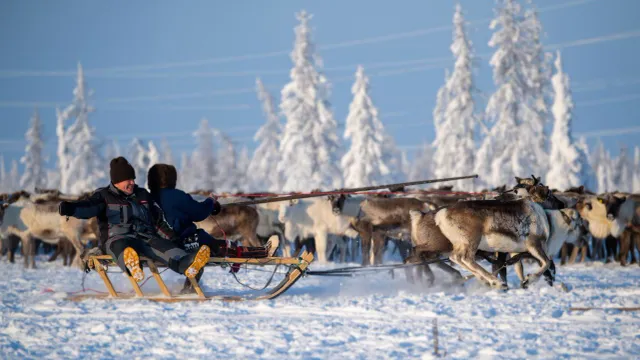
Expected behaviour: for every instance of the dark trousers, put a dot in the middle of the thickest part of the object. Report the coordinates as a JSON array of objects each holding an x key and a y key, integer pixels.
[
  {"x": 157, "y": 249},
  {"x": 219, "y": 247}
]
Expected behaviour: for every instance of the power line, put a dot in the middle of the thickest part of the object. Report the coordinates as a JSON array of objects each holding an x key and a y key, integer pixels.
[{"x": 227, "y": 59}]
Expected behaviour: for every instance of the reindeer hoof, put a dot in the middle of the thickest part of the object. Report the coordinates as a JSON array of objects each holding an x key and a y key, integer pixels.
[{"x": 499, "y": 285}]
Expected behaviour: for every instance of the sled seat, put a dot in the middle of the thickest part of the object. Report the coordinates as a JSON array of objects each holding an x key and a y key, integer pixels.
[{"x": 297, "y": 267}]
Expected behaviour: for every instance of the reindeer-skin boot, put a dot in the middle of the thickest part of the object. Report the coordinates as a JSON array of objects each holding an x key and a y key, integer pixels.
[
  {"x": 132, "y": 262},
  {"x": 200, "y": 260}
]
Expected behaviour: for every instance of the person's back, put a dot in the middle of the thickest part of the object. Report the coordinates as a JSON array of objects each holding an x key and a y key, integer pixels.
[{"x": 181, "y": 210}]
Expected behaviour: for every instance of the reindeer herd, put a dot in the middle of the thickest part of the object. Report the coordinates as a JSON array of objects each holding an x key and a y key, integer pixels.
[{"x": 504, "y": 227}]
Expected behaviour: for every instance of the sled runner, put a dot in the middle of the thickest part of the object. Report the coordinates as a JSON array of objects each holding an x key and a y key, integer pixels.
[{"x": 297, "y": 268}]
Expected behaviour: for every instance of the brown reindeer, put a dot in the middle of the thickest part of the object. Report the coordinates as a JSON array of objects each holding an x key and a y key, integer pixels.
[
  {"x": 234, "y": 222},
  {"x": 375, "y": 219}
]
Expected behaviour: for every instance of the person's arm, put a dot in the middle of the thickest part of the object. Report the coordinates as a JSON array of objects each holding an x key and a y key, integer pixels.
[
  {"x": 196, "y": 210},
  {"x": 84, "y": 209}
]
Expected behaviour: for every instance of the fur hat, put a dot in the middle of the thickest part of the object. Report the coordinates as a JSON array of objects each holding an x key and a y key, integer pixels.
[
  {"x": 121, "y": 170},
  {"x": 162, "y": 176}
]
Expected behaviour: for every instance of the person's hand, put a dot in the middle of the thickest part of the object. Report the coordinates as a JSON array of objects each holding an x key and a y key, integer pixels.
[
  {"x": 88, "y": 264},
  {"x": 216, "y": 207},
  {"x": 66, "y": 208}
]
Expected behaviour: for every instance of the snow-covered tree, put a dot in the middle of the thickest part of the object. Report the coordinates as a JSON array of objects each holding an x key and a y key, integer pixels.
[
  {"x": 515, "y": 143},
  {"x": 34, "y": 173},
  {"x": 138, "y": 157},
  {"x": 112, "y": 151},
  {"x": 242, "y": 169},
  {"x": 623, "y": 173},
  {"x": 154, "y": 154},
  {"x": 405, "y": 165},
  {"x": 422, "y": 168},
  {"x": 365, "y": 162},
  {"x": 310, "y": 144},
  {"x": 603, "y": 168},
  {"x": 454, "y": 113},
  {"x": 228, "y": 179},
  {"x": 185, "y": 177},
  {"x": 10, "y": 181},
  {"x": 530, "y": 156},
  {"x": 569, "y": 165},
  {"x": 3, "y": 176},
  {"x": 262, "y": 172},
  {"x": 590, "y": 181},
  {"x": 81, "y": 167},
  {"x": 203, "y": 158},
  {"x": 636, "y": 171},
  {"x": 167, "y": 154}
]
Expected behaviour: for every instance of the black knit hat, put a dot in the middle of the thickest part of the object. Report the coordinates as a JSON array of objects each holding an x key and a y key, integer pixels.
[{"x": 121, "y": 170}]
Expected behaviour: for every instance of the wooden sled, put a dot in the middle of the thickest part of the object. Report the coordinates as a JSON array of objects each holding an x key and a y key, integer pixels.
[{"x": 297, "y": 268}]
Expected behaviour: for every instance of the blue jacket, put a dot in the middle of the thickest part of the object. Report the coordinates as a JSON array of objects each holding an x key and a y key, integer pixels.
[{"x": 181, "y": 210}]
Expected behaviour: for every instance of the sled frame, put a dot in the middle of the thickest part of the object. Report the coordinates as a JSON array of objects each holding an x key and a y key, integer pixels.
[{"x": 297, "y": 268}]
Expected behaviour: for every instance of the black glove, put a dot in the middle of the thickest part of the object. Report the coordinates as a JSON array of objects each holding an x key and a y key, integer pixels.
[
  {"x": 88, "y": 265},
  {"x": 66, "y": 208},
  {"x": 216, "y": 207}
]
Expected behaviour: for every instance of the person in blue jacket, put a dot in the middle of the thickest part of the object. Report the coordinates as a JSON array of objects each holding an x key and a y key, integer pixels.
[{"x": 182, "y": 211}]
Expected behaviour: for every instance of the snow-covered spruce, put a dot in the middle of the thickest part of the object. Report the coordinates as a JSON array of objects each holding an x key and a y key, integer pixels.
[
  {"x": 34, "y": 174},
  {"x": 138, "y": 157},
  {"x": 80, "y": 164},
  {"x": 636, "y": 171},
  {"x": 167, "y": 154},
  {"x": 422, "y": 164},
  {"x": 568, "y": 163},
  {"x": 515, "y": 145},
  {"x": 365, "y": 163},
  {"x": 200, "y": 170},
  {"x": 454, "y": 116},
  {"x": 310, "y": 145},
  {"x": 227, "y": 180},
  {"x": 267, "y": 155}
]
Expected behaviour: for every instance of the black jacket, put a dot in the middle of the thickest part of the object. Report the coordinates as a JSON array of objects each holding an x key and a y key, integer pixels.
[{"x": 120, "y": 214}]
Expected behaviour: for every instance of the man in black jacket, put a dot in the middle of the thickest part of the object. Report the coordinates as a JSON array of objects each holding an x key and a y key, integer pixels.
[{"x": 132, "y": 224}]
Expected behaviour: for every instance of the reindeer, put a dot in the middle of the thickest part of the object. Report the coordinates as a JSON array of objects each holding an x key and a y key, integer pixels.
[
  {"x": 315, "y": 218},
  {"x": 377, "y": 218},
  {"x": 36, "y": 216},
  {"x": 234, "y": 222},
  {"x": 516, "y": 226}
]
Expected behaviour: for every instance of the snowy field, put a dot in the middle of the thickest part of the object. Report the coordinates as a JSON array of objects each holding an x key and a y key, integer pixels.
[{"x": 320, "y": 317}]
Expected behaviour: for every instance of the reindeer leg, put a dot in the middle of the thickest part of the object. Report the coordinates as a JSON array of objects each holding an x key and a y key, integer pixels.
[
  {"x": 564, "y": 253},
  {"x": 366, "y": 232},
  {"x": 33, "y": 252},
  {"x": 379, "y": 240},
  {"x": 57, "y": 252},
  {"x": 625, "y": 244},
  {"x": 574, "y": 252},
  {"x": 632, "y": 246},
  {"x": 535, "y": 248},
  {"x": 466, "y": 257},
  {"x": 321, "y": 246}
]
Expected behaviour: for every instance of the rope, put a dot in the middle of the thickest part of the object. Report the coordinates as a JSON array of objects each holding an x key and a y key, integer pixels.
[
  {"x": 252, "y": 288},
  {"x": 351, "y": 271}
]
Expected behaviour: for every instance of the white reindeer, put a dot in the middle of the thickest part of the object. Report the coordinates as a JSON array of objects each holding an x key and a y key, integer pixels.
[{"x": 315, "y": 218}]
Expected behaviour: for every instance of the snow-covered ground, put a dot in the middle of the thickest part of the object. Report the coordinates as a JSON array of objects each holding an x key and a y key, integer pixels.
[{"x": 321, "y": 317}]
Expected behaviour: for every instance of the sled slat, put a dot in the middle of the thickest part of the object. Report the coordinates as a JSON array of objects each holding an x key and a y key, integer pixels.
[
  {"x": 105, "y": 277},
  {"x": 135, "y": 286},
  {"x": 229, "y": 260},
  {"x": 158, "y": 278},
  {"x": 197, "y": 288}
]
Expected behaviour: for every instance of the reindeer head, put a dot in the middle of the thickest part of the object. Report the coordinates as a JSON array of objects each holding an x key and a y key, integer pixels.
[{"x": 337, "y": 202}]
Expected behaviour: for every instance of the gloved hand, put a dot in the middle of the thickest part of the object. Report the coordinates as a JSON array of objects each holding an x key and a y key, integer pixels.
[
  {"x": 216, "y": 207},
  {"x": 88, "y": 265},
  {"x": 66, "y": 208}
]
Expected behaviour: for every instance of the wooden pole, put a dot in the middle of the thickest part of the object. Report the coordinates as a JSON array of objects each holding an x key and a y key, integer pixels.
[{"x": 342, "y": 191}]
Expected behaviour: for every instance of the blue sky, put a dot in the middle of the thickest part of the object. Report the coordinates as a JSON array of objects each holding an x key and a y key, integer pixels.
[{"x": 157, "y": 68}]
